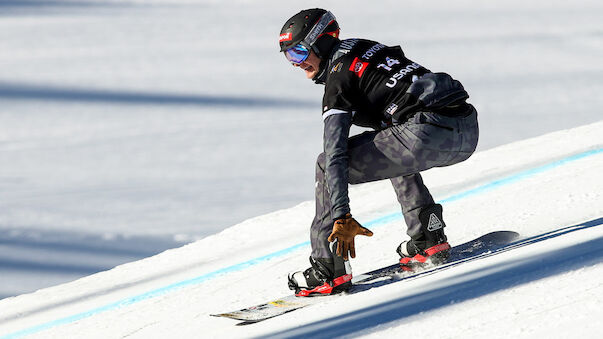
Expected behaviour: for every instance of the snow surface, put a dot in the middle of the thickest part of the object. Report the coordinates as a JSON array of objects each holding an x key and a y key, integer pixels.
[
  {"x": 549, "y": 189},
  {"x": 131, "y": 127},
  {"x": 152, "y": 123}
]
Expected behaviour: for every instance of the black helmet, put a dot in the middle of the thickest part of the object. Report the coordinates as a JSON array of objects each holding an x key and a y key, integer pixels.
[{"x": 316, "y": 28}]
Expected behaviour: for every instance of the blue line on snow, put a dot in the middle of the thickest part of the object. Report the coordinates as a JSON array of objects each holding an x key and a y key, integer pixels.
[
  {"x": 241, "y": 266},
  {"x": 497, "y": 183}
]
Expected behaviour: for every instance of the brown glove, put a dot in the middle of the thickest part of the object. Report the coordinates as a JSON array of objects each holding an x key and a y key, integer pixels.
[{"x": 344, "y": 230}]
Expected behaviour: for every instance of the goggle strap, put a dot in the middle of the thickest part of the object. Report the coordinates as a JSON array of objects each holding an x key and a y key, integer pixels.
[{"x": 316, "y": 31}]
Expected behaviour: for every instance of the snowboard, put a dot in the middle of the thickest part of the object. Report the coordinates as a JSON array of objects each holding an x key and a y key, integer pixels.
[{"x": 484, "y": 246}]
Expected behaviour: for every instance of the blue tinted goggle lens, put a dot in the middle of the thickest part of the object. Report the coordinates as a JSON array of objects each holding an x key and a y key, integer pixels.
[{"x": 297, "y": 54}]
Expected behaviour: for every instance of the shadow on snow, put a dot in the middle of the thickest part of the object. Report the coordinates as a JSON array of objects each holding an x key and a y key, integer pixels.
[
  {"x": 13, "y": 91},
  {"x": 83, "y": 254},
  {"x": 83, "y": 243},
  {"x": 60, "y": 256}
]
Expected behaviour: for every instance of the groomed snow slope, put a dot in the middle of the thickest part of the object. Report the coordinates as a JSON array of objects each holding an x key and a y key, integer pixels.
[
  {"x": 549, "y": 188},
  {"x": 128, "y": 127}
]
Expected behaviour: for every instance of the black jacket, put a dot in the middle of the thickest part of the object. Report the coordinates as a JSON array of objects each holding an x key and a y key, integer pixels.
[{"x": 372, "y": 85}]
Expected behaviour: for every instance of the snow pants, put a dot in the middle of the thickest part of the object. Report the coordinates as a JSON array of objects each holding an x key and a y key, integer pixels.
[{"x": 398, "y": 153}]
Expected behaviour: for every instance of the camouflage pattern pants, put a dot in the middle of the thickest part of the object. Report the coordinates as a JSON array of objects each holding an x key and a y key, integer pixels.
[{"x": 397, "y": 153}]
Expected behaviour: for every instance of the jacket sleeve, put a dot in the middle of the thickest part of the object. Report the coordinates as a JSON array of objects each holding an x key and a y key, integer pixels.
[{"x": 336, "y": 131}]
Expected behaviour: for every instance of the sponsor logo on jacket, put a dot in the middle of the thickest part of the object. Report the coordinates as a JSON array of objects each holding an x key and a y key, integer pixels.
[
  {"x": 372, "y": 51},
  {"x": 337, "y": 67},
  {"x": 358, "y": 67},
  {"x": 391, "y": 109},
  {"x": 393, "y": 81}
]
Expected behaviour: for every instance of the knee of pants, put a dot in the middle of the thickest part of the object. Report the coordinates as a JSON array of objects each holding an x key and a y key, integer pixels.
[{"x": 321, "y": 163}]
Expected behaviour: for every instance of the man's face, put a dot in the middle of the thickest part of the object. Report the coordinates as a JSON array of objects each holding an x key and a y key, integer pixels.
[{"x": 310, "y": 65}]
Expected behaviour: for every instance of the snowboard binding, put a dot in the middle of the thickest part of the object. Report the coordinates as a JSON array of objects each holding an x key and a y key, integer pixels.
[
  {"x": 324, "y": 277},
  {"x": 430, "y": 247}
]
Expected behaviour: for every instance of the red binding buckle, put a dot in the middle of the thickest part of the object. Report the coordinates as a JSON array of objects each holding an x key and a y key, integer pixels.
[
  {"x": 326, "y": 288},
  {"x": 422, "y": 259}
]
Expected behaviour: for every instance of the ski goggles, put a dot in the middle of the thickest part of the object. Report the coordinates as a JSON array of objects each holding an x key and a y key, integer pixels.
[
  {"x": 300, "y": 52},
  {"x": 297, "y": 54}
]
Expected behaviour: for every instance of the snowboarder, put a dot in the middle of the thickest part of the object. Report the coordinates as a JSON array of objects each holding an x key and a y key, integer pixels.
[{"x": 419, "y": 119}]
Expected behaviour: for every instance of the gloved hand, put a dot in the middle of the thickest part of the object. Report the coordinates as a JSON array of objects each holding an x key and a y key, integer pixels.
[{"x": 344, "y": 230}]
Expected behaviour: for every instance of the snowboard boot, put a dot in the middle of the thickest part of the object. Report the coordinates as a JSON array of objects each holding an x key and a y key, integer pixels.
[
  {"x": 325, "y": 276},
  {"x": 430, "y": 246}
]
